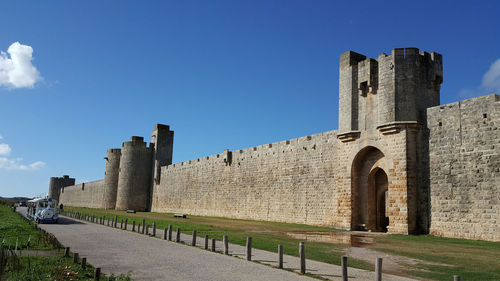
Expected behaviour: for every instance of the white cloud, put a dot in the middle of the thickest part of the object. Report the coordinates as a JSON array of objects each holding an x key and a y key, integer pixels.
[
  {"x": 16, "y": 70},
  {"x": 4, "y": 149},
  {"x": 491, "y": 80},
  {"x": 16, "y": 163},
  {"x": 490, "y": 83}
]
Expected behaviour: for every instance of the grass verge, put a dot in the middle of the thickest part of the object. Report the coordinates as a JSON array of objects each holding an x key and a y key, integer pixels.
[
  {"x": 445, "y": 257},
  {"x": 14, "y": 230}
]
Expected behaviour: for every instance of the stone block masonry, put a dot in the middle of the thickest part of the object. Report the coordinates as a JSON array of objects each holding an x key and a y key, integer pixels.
[
  {"x": 465, "y": 168},
  {"x": 398, "y": 163}
]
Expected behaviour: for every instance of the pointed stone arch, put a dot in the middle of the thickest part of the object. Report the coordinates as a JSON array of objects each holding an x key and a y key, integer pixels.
[{"x": 369, "y": 189}]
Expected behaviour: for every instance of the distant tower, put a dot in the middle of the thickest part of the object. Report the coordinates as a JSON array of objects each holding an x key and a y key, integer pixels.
[
  {"x": 134, "y": 180},
  {"x": 56, "y": 184},
  {"x": 111, "y": 177},
  {"x": 162, "y": 139}
]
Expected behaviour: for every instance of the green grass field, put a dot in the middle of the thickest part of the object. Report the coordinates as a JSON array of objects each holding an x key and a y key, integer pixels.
[
  {"x": 441, "y": 257},
  {"x": 15, "y": 230}
]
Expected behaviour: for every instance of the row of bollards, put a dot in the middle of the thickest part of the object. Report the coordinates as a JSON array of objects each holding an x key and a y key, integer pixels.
[
  {"x": 167, "y": 235},
  {"x": 97, "y": 273}
]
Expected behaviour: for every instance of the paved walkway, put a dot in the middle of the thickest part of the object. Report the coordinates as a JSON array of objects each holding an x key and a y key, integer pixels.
[{"x": 149, "y": 258}]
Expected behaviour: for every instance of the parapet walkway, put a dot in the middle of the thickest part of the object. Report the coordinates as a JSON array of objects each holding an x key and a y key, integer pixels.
[{"x": 238, "y": 252}]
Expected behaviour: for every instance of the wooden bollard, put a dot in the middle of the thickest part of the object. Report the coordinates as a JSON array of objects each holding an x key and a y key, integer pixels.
[
  {"x": 249, "y": 248},
  {"x": 165, "y": 233},
  {"x": 213, "y": 244},
  {"x": 226, "y": 244},
  {"x": 84, "y": 263},
  {"x": 97, "y": 273},
  {"x": 343, "y": 264},
  {"x": 378, "y": 269},
  {"x": 143, "y": 224},
  {"x": 66, "y": 252},
  {"x": 206, "y": 242},
  {"x": 178, "y": 235},
  {"x": 302, "y": 255},
  {"x": 126, "y": 224},
  {"x": 75, "y": 258},
  {"x": 280, "y": 256},
  {"x": 133, "y": 226},
  {"x": 193, "y": 241},
  {"x": 154, "y": 229},
  {"x": 456, "y": 278},
  {"x": 169, "y": 232}
]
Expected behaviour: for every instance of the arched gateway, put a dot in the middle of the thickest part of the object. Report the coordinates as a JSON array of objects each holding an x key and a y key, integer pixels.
[{"x": 369, "y": 191}]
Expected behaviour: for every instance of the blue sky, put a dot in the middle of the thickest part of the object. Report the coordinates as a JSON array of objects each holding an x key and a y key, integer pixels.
[{"x": 223, "y": 74}]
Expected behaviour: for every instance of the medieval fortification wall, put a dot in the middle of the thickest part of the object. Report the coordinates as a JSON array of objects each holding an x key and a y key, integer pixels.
[
  {"x": 399, "y": 163},
  {"x": 88, "y": 194},
  {"x": 465, "y": 168}
]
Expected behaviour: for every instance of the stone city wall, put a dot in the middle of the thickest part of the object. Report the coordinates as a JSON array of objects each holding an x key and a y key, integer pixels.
[
  {"x": 465, "y": 168},
  {"x": 292, "y": 181},
  {"x": 304, "y": 180},
  {"x": 89, "y": 194}
]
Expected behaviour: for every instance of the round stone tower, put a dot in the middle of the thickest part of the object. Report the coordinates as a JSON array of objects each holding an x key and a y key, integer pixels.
[
  {"x": 56, "y": 184},
  {"x": 111, "y": 177},
  {"x": 53, "y": 189},
  {"x": 134, "y": 180}
]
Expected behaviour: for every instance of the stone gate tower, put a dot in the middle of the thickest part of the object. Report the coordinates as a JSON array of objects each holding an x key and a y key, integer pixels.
[{"x": 382, "y": 112}]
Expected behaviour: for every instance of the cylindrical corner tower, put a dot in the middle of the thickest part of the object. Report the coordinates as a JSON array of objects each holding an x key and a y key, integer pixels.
[
  {"x": 111, "y": 177},
  {"x": 134, "y": 178},
  {"x": 53, "y": 189}
]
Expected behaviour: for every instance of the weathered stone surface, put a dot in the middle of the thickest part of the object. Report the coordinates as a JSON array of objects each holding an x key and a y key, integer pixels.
[{"x": 399, "y": 162}]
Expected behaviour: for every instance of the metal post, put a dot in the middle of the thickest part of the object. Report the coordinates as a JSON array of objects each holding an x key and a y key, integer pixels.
[
  {"x": 249, "y": 248},
  {"x": 169, "y": 232},
  {"x": 206, "y": 242},
  {"x": 165, "y": 234},
  {"x": 378, "y": 269},
  {"x": 213, "y": 245},
  {"x": 126, "y": 224},
  {"x": 226, "y": 245},
  {"x": 193, "y": 241},
  {"x": 116, "y": 221},
  {"x": 75, "y": 258},
  {"x": 302, "y": 254},
  {"x": 133, "y": 226},
  {"x": 154, "y": 229},
  {"x": 178, "y": 235},
  {"x": 84, "y": 263},
  {"x": 147, "y": 229},
  {"x": 280, "y": 256},
  {"x": 97, "y": 274},
  {"x": 66, "y": 252},
  {"x": 143, "y": 225},
  {"x": 343, "y": 263},
  {"x": 121, "y": 224}
]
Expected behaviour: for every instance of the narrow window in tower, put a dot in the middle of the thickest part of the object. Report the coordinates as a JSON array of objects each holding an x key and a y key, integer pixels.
[{"x": 363, "y": 88}]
